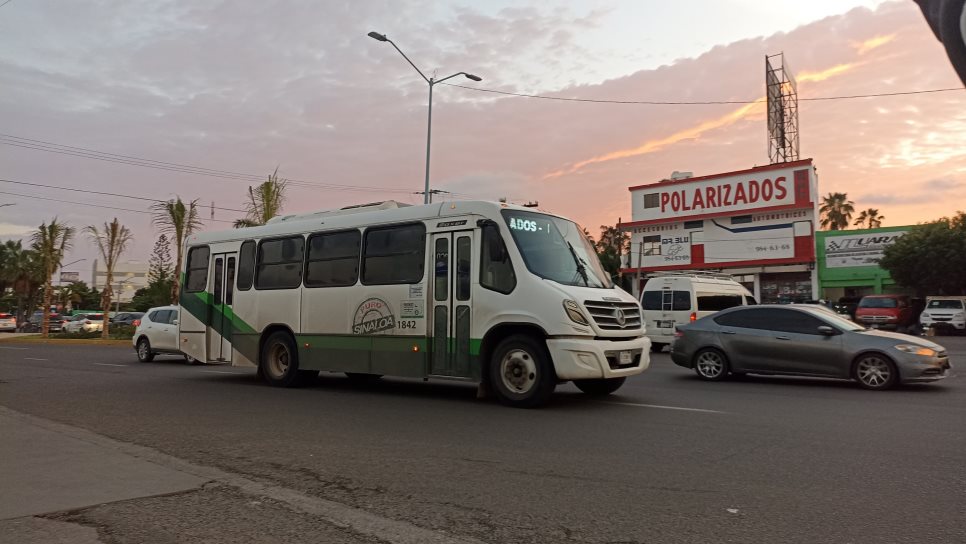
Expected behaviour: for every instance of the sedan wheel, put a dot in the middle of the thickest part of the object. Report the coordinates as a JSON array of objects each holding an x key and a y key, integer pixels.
[
  {"x": 711, "y": 364},
  {"x": 875, "y": 372}
]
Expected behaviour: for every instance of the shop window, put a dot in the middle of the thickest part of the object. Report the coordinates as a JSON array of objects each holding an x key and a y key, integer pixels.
[
  {"x": 652, "y": 200},
  {"x": 740, "y": 219},
  {"x": 694, "y": 224},
  {"x": 652, "y": 245}
]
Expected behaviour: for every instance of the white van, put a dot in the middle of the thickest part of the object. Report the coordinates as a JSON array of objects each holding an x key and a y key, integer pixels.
[
  {"x": 944, "y": 314},
  {"x": 671, "y": 299}
]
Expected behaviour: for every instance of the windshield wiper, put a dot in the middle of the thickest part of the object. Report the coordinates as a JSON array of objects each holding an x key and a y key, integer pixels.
[{"x": 581, "y": 269}]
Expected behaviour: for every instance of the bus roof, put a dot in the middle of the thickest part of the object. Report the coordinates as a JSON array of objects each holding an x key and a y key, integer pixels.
[{"x": 358, "y": 216}]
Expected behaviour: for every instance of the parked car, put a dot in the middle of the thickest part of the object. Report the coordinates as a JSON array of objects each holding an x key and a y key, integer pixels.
[
  {"x": 157, "y": 333},
  {"x": 127, "y": 318},
  {"x": 85, "y": 323},
  {"x": 800, "y": 341},
  {"x": 8, "y": 323},
  {"x": 35, "y": 323},
  {"x": 944, "y": 314},
  {"x": 669, "y": 300},
  {"x": 847, "y": 306},
  {"x": 893, "y": 312}
]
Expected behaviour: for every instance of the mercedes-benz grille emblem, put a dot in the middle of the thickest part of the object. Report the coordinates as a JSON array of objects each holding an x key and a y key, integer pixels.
[{"x": 620, "y": 318}]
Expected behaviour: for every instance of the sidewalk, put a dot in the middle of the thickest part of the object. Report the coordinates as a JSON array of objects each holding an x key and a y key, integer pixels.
[{"x": 44, "y": 471}]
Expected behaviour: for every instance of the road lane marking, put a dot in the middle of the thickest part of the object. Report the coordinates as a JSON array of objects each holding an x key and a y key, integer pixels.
[
  {"x": 35, "y": 359},
  {"x": 107, "y": 364},
  {"x": 5, "y": 347},
  {"x": 666, "y": 407},
  {"x": 220, "y": 372}
]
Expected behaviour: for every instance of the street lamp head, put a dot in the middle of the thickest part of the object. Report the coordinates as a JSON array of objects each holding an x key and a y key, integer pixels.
[
  {"x": 378, "y": 36},
  {"x": 474, "y": 78}
]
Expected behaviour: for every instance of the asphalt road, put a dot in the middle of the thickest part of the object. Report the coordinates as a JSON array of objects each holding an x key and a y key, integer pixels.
[{"x": 668, "y": 458}]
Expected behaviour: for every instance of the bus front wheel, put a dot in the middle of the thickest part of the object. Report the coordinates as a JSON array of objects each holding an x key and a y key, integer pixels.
[
  {"x": 521, "y": 373},
  {"x": 279, "y": 364}
]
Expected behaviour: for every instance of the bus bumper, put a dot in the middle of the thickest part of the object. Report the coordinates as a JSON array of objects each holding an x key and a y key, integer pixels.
[{"x": 584, "y": 358}]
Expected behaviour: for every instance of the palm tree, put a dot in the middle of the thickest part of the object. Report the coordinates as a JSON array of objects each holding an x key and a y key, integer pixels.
[
  {"x": 178, "y": 221},
  {"x": 112, "y": 242},
  {"x": 836, "y": 211},
  {"x": 18, "y": 270},
  {"x": 264, "y": 202},
  {"x": 870, "y": 217},
  {"x": 51, "y": 241}
]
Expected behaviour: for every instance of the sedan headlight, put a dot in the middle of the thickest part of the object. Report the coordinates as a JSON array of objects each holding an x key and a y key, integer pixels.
[
  {"x": 573, "y": 311},
  {"x": 917, "y": 350}
]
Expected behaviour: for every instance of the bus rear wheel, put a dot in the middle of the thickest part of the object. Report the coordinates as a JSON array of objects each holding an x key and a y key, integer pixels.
[
  {"x": 521, "y": 373},
  {"x": 279, "y": 364}
]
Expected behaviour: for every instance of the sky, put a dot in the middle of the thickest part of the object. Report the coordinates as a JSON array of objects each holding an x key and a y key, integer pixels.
[{"x": 246, "y": 86}]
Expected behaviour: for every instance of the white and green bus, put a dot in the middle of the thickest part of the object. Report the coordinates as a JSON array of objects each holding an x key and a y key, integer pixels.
[{"x": 514, "y": 299}]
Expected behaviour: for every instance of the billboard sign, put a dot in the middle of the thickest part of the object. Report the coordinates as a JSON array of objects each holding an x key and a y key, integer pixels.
[
  {"x": 720, "y": 195},
  {"x": 858, "y": 249},
  {"x": 69, "y": 277}
]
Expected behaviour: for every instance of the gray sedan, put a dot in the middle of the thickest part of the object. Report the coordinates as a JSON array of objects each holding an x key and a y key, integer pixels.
[{"x": 800, "y": 341}]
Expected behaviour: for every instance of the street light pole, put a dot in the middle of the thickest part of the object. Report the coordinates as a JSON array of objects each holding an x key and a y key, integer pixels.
[{"x": 431, "y": 81}]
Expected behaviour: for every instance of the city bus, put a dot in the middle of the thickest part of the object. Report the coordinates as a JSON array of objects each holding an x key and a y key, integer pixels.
[{"x": 507, "y": 297}]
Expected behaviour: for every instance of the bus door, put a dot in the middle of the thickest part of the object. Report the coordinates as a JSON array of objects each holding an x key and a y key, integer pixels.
[
  {"x": 220, "y": 312},
  {"x": 453, "y": 266}
]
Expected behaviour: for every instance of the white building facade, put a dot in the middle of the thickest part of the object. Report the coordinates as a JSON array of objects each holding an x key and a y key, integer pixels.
[
  {"x": 757, "y": 225},
  {"x": 129, "y": 276}
]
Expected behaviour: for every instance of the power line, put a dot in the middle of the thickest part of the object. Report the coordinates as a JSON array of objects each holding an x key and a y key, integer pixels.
[
  {"x": 97, "y": 205},
  {"x": 5, "y": 3},
  {"x": 106, "y": 193},
  {"x": 63, "y": 149},
  {"x": 693, "y": 103}
]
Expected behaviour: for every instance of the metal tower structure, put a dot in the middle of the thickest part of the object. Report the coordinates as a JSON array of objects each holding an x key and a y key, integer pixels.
[{"x": 781, "y": 92}]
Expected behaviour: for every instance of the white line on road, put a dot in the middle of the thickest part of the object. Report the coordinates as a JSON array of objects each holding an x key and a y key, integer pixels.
[
  {"x": 220, "y": 372},
  {"x": 35, "y": 359},
  {"x": 666, "y": 407},
  {"x": 107, "y": 364},
  {"x": 5, "y": 347}
]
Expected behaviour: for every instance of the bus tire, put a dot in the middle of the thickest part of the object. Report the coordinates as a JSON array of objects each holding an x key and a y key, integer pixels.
[
  {"x": 279, "y": 363},
  {"x": 599, "y": 387},
  {"x": 521, "y": 373}
]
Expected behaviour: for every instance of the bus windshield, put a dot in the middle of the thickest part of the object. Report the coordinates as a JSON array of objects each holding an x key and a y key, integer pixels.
[{"x": 556, "y": 249}]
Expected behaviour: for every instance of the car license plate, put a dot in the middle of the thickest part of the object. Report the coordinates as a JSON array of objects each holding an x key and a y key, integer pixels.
[
  {"x": 626, "y": 358},
  {"x": 665, "y": 324}
]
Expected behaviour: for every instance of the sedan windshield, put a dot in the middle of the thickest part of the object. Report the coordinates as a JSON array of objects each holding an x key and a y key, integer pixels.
[{"x": 556, "y": 249}]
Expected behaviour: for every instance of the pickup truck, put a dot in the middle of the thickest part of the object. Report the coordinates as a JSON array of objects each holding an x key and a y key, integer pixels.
[{"x": 894, "y": 312}]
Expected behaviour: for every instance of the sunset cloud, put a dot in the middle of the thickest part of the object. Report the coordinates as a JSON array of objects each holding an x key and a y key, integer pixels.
[{"x": 872, "y": 43}]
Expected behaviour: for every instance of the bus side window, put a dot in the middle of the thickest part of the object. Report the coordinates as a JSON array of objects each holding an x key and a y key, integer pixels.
[
  {"x": 333, "y": 259},
  {"x": 496, "y": 270},
  {"x": 394, "y": 254},
  {"x": 196, "y": 275},
  {"x": 280, "y": 263},
  {"x": 246, "y": 265}
]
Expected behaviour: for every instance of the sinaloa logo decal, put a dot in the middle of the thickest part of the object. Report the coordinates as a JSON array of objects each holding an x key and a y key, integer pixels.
[{"x": 372, "y": 316}]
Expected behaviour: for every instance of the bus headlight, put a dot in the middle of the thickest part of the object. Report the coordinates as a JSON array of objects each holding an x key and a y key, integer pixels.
[{"x": 573, "y": 310}]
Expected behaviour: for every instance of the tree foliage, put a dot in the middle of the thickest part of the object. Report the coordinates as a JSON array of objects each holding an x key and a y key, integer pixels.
[
  {"x": 930, "y": 258},
  {"x": 869, "y": 219},
  {"x": 836, "y": 211},
  {"x": 51, "y": 242},
  {"x": 613, "y": 243},
  {"x": 179, "y": 221},
  {"x": 112, "y": 241},
  {"x": 264, "y": 202},
  {"x": 159, "y": 265}
]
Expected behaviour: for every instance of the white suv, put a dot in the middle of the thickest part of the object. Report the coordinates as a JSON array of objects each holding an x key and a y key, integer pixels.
[
  {"x": 157, "y": 333},
  {"x": 944, "y": 314}
]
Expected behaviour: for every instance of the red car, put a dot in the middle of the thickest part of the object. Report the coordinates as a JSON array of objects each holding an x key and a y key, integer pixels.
[{"x": 895, "y": 312}]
